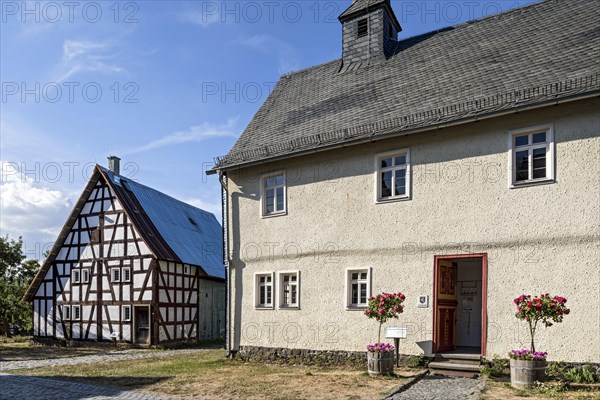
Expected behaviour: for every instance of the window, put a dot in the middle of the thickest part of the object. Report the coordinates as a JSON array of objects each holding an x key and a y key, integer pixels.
[
  {"x": 85, "y": 275},
  {"x": 116, "y": 275},
  {"x": 126, "y": 313},
  {"x": 289, "y": 289},
  {"x": 264, "y": 290},
  {"x": 186, "y": 269},
  {"x": 76, "y": 276},
  {"x": 96, "y": 235},
  {"x": 273, "y": 194},
  {"x": 393, "y": 175},
  {"x": 76, "y": 313},
  {"x": 66, "y": 313},
  {"x": 358, "y": 287},
  {"x": 362, "y": 27},
  {"x": 531, "y": 155},
  {"x": 127, "y": 274}
]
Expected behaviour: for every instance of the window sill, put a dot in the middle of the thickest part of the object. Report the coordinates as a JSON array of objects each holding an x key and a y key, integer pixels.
[
  {"x": 289, "y": 307},
  {"x": 532, "y": 183},
  {"x": 263, "y": 307},
  {"x": 356, "y": 308},
  {"x": 273, "y": 215},
  {"x": 392, "y": 199}
]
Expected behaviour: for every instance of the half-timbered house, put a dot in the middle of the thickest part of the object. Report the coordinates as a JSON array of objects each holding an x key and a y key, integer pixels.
[{"x": 131, "y": 264}]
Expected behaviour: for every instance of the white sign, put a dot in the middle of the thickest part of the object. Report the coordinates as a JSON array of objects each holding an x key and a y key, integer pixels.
[
  {"x": 423, "y": 301},
  {"x": 395, "y": 333}
]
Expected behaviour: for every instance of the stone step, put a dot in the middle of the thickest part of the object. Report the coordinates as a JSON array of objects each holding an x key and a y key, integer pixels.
[
  {"x": 453, "y": 369},
  {"x": 460, "y": 356},
  {"x": 473, "y": 359}
]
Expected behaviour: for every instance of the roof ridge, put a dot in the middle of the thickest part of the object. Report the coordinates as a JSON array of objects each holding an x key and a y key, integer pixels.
[
  {"x": 435, "y": 31},
  {"x": 129, "y": 180}
]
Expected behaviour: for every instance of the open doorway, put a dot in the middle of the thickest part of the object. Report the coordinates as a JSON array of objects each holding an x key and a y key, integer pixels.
[
  {"x": 460, "y": 294},
  {"x": 142, "y": 325}
]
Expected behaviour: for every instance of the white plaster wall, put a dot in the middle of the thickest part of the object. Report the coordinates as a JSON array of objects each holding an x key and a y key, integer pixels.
[{"x": 538, "y": 239}]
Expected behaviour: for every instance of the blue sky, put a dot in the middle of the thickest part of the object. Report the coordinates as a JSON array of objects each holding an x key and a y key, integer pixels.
[{"x": 165, "y": 85}]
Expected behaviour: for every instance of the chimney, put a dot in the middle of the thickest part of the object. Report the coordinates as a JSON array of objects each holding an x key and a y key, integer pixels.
[
  {"x": 369, "y": 32},
  {"x": 114, "y": 164}
]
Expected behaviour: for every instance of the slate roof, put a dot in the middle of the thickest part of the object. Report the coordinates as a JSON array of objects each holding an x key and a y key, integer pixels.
[
  {"x": 531, "y": 55},
  {"x": 362, "y": 6}
]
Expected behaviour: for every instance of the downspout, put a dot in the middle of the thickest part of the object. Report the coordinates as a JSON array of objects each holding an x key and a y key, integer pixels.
[{"x": 225, "y": 230}]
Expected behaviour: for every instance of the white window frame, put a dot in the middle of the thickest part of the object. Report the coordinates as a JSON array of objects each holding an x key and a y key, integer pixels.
[
  {"x": 85, "y": 275},
  {"x": 282, "y": 304},
  {"x": 550, "y": 155},
  {"x": 378, "y": 170},
  {"x": 125, "y": 317},
  {"x": 348, "y": 287},
  {"x": 112, "y": 275},
  {"x": 75, "y": 315},
  {"x": 76, "y": 276},
  {"x": 66, "y": 310},
  {"x": 263, "y": 195},
  {"x": 257, "y": 303},
  {"x": 125, "y": 278}
]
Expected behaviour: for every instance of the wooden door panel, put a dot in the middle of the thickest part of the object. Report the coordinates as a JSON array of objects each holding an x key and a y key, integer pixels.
[{"x": 446, "y": 305}]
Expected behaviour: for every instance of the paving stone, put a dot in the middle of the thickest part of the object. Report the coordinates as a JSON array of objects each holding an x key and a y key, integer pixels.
[
  {"x": 16, "y": 387},
  {"x": 436, "y": 387}
]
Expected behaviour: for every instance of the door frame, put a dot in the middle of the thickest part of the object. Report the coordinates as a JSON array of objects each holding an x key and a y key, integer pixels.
[
  {"x": 484, "y": 287},
  {"x": 134, "y": 336}
]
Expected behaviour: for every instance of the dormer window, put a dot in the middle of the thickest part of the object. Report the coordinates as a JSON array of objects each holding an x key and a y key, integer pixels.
[{"x": 363, "y": 27}]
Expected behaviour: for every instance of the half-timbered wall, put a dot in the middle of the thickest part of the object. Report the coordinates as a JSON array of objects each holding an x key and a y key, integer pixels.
[
  {"x": 177, "y": 287},
  {"x": 83, "y": 276}
]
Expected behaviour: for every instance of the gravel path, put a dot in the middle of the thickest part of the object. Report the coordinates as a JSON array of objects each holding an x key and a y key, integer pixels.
[
  {"x": 96, "y": 358},
  {"x": 436, "y": 387},
  {"x": 15, "y": 387}
]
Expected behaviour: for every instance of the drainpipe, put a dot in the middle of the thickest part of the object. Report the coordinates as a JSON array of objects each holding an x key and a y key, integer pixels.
[{"x": 225, "y": 230}]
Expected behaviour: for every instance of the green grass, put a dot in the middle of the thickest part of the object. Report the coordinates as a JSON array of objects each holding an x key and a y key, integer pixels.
[{"x": 208, "y": 374}]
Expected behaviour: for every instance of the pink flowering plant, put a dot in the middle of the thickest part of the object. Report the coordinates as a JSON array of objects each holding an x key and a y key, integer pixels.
[
  {"x": 381, "y": 308},
  {"x": 380, "y": 347},
  {"x": 525, "y": 354},
  {"x": 543, "y": 309}
]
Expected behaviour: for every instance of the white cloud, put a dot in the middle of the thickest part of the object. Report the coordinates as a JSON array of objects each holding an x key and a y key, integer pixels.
[
  {"x": 286, "y": 55},
  {"x": 195, "y": 133},
  {"x": 81, "y": 56},
  {"x": 203, "y": 19},
  {"x": 212, "y": 207},
  {"x": 29, "y": 209}
]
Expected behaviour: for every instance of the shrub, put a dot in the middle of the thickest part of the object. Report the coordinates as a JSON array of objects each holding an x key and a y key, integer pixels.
[
  {"x": 585, "y": 374},
  {"x": 495, "y": 367}
]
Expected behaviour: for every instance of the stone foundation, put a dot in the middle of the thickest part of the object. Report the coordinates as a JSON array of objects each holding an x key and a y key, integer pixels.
[{"x": 322, "y": 358}]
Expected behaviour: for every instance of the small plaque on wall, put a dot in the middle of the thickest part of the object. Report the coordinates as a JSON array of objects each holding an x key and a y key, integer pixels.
[{"x": 423, "y": 301}]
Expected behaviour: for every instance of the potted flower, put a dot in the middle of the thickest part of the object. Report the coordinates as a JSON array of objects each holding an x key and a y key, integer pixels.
[
  {"x": 529, "y": 365},
  {"x": 380, "y": 356}
]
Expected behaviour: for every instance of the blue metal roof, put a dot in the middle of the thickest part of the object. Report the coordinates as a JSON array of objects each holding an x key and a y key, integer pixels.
[{"x": 193, "y": 234}]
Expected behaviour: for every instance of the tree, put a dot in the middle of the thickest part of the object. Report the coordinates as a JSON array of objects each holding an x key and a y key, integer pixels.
[
  {"x": 15, "y": 276},
  {"x": 545, "y": 309}
]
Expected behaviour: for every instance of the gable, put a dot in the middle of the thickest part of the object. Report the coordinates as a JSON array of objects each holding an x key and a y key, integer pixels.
[{"x": 75, "y": 243}]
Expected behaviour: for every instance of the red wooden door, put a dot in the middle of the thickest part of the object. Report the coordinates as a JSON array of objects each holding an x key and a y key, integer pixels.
[{"x": 446, "y": 306}]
